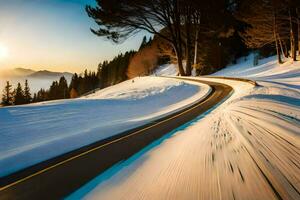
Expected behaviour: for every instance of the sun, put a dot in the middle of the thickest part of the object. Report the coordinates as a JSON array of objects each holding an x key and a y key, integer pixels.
[{"x": 3, "y": 51}]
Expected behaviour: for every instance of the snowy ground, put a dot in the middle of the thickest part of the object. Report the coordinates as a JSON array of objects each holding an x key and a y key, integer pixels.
[
  {"x": 33, "y": 133},
  {"x": 246, "y": 148},
  {"x": 166, "y": 70}
]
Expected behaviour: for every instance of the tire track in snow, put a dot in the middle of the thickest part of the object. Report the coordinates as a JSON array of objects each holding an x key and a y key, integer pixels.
[
  {"x": 280, "y": 163},
  {"x": 228, "y": 155}
]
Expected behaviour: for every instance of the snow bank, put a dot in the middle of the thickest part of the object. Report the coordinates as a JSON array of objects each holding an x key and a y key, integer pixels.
[
  {"x": 166, "y": 70},
  {"x": 239, "y": 149},
  {"x": 138, "y": 88},
  {"x": 33, "y": 133},
  {"x": 268, "y": 70}
]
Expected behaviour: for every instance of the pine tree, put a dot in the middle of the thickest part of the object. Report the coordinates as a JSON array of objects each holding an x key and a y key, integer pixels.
[
  {"x": 7, "y": 98},
  {"x": 144, "y": 43},
  {"x": 74, "y": 82},
  {"x": 34, "y": 99},
  {"x": 53, "y": 92},
  {"x": 19, "y": 97},
  {"x": 42, "y": 95},
  {"x": 63, "y": 88},
  {"x": 27, "y": 94}
]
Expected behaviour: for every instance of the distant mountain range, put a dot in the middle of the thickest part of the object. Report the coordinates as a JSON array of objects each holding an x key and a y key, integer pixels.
[
  {"x": 49, "y": 74},
  {"x": 36, "y": 79},
  {"x": 24, "y": 73}
]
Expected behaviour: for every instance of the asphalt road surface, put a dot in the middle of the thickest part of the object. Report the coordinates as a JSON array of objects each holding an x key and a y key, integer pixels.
[{"x": 58, "y": 177}]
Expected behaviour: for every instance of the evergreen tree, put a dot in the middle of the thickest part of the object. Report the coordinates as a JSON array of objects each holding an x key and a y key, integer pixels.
[
  {"x": 27, "y": 94},
  {"x": 63, "y": 88},
  {"x": 7, "y": 98},
  {"x": 53, "y": 91},
  {"x": 19, "y": 97},
  {"x": 84, "y": 85},
  {"x": 34, "y": 99},
  {"x": 74, "y": 82},
  {"x": 115, "y": 71},
  {"x": 144, "y": 43},
  {"x": 42, "y": 95}
]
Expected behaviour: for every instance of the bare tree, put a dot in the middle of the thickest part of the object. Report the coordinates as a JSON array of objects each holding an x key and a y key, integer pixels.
[
  {"x": 281, "y": 17},
  {"x": 119, "y": 20},
  {"x": 293, "y": 26},
  {"x": 298, "y": 22},
  {"x": 266, "y": 24}
]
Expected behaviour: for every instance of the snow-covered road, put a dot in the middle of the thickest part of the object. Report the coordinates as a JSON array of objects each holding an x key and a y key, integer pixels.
[{"x": 247, "y": 148}]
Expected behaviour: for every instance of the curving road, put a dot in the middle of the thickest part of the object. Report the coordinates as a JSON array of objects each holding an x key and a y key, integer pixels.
[
  {"x": 248, "y": 149},
  {"x": 58, "y": 177}
]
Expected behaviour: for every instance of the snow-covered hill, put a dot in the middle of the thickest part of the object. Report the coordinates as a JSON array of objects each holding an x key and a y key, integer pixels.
[
  {"x": 248, "y": 147},
  {"x": 36, "y": 132},
  {"x": 267, "y": 70},
  {"x": 166, "y": 70}
]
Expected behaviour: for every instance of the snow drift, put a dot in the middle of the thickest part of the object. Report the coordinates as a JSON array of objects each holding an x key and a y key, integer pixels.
[{"x": 34, "y": 133}]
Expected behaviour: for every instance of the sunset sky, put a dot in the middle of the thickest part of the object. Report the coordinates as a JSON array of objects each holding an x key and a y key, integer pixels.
[{"x": 53, "y": 35}]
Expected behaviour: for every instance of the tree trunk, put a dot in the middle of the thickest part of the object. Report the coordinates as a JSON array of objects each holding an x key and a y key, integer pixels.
[
  {"x": 179, "y": 56},
  {"x": 180, "y": 66},
  {"x": 178, "y": 38},
  {"x": 196, "y": 47},
  {"x": 278, "y": 52},
  {"x": 298, "y": 22},
  {"x": 286, "y": 52},
  {"x": 281, "y": 46},
  {"x": 292, "y": 34},
  {"x": 188, "y": 50},
  {"x": 179, "y": 60},
  {"x": 197, "y": 22},
  {"x": 275, "y": 36}
]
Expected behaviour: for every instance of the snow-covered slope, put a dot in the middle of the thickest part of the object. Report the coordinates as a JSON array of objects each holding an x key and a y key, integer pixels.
[
  {"x": 247, "y": 148},
  {"x": 268, "y": 70},
  {"x": 166, "y": 70},
  {"x": 33, "y": 133}
]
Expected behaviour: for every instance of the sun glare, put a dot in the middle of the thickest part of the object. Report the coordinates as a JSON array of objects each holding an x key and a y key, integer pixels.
[{"x": 3, "y": 52}]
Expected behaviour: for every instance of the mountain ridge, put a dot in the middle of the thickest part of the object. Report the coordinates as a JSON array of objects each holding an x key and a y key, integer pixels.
[
  {"x": 47, "y": 73},
  {"x": 26, "y": 72}
]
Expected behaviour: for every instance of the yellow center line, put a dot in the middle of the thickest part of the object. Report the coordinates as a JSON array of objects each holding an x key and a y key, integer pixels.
[{"x": 101, "y": 146}]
